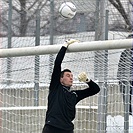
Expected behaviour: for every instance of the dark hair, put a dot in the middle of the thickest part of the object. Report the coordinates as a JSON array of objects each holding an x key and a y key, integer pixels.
[{"x": 65, "y": 70}]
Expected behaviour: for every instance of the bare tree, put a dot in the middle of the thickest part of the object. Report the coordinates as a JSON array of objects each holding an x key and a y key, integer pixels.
[
  {"x": 118, "y": 5},
  {"x": 24, "y": 18},
  {"x": 23, "y": 13}
]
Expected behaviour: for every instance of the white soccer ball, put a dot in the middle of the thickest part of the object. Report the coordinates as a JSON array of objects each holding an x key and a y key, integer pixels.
[{"x": 67, "y": 10}]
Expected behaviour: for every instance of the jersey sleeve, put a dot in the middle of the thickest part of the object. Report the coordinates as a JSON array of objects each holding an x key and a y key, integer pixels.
[
  {"x": 55, "y": 78},
  {"x": 90, "y": 91}
]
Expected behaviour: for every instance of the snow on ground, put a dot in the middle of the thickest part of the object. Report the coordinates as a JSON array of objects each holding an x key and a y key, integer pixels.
[{"x": 116, "y": 124}]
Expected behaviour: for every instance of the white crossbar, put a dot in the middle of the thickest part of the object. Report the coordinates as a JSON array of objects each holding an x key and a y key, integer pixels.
[{"x": 76, "y": 47}]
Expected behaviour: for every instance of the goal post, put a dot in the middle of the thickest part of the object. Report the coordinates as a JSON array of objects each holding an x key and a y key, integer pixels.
[
  {"x": 25, "y": 69},
  {"x": 18, "y": 112},
  {"x": 77, "y": 47}
]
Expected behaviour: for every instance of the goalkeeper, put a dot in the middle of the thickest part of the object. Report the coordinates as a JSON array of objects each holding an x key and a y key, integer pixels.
[{"x": 61, "y": 100}]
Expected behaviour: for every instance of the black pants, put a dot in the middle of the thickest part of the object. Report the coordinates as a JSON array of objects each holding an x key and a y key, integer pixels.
[
  {"x": 122, "y": 90},
  {"x": 51, "y": 129}
]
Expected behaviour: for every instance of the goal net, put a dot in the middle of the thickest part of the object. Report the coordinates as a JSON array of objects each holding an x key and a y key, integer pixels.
[
  {"x": 25, "y": 70},
  {"x": 24, "y": 90}
]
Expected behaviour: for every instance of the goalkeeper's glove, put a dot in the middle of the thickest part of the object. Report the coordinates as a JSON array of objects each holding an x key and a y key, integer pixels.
[
  {"x": 83, "y": 77},
  {"x": 70, "y": 41}
]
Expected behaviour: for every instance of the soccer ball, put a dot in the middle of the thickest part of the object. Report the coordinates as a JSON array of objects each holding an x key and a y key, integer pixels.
[{"x": 67, "y": 10}]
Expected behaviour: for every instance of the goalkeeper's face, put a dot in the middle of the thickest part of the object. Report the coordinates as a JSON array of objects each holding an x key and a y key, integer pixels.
[{"x": 67, "y": 79}]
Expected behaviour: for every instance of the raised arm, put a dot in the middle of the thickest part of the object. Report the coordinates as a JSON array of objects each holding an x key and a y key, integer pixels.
[
  {"x": 90, "y": 91},
  {"x": 55, "y": 78}
]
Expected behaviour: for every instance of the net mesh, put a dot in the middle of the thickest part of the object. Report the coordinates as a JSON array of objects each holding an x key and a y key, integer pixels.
[{"x": 23, "y": 104}]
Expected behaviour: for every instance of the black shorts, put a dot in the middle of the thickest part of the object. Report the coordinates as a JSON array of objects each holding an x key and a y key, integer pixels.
[{"x": 51, "y": 129}]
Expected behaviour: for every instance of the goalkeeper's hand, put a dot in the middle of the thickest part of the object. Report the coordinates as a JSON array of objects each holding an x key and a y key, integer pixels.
[
  {"x": 70, "y": 41},
  {"x": 82, "y": 77}
]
